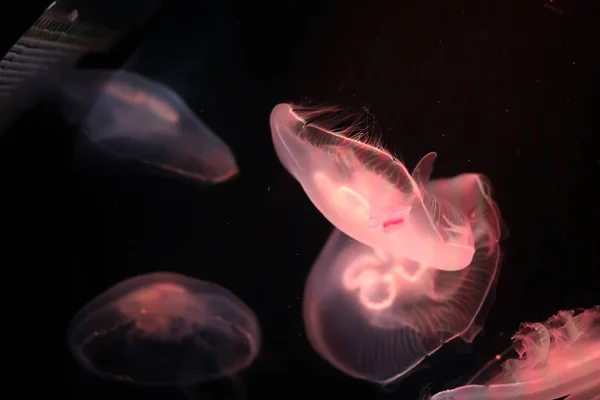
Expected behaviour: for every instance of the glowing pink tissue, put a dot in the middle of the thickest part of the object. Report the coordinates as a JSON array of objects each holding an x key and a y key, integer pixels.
[
  {"x": 558, "y": 358},
  {"x": 376, "y": 316},
  {"x": 164, "y": 329}
]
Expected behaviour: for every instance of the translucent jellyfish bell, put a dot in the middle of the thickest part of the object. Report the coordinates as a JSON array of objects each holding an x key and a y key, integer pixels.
[
  {"x": 164, "y": 329},
  {"x": 368, "y": 194},
  {"x": 132, "y": 117},
  {"x": 375, "y": 316},
  {"x": 558, "y": 358}
]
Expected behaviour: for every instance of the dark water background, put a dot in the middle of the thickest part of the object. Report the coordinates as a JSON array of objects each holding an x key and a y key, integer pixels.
[{"x": 510, "y": 89}]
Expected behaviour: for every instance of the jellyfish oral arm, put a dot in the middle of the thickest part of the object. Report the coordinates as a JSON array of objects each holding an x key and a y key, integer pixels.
[{"x": 558, "y": 358}]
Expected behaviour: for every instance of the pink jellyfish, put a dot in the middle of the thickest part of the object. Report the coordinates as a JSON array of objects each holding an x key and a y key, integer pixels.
[
  {"x": 558, "y": 358},
  {"x": 164, "y": 329},
  {"x": 131, "y": 117},
  {"x": 368, "y": 194},
  {"x": 375, "y": 316}
]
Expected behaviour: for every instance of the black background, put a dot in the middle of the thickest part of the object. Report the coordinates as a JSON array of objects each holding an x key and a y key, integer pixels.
[{"x": 510, "y": 89}]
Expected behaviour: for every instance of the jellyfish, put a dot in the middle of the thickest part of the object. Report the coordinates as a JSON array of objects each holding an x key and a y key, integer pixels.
[
  {"x": 164, "y": 329},
  {"x": 367, "y": 193},
  {"x": 558, "y": 358},
  {"x": 130, "y": 117},
  {"x": 375, "y": 316}
]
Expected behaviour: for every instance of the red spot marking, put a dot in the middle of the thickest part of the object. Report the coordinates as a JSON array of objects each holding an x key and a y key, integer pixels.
[
  {"x": 498, "y": 356},
  {"x": 143, "y": 311},
  {"x": 393, "y": 221}
]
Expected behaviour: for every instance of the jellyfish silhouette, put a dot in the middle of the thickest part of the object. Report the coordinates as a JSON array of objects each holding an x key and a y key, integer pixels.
[
  {"x": 133, "y": 118},
  {"x": 376, "y": 316},
  {"x": 164, "y": 329},
  {"x": 558, "y": 358},
  {"x": 367, "y": 193}
]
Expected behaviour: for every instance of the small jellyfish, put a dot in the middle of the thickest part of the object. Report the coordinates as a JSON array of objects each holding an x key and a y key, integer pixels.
[
  {"x": 133, "y": 118},
  {"x": 164, "y": 329},
  {"x": 376, "y": 316},
  {"x": 367, "y": 193},
  {"x": 558, "y": 358}
]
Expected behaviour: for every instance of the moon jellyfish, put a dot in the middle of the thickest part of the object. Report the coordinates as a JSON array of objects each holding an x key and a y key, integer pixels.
[
  {"x": 558, "y": 358},
  {"x": 368, "y": 194},
  {"x": 376, "y": 316},
  {"x": 133, "y": 118},
  {"x": 164, "y": 329}
]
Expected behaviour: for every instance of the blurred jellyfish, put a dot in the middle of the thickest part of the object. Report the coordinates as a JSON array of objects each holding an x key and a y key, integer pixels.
[
  {"x": 368, "y": 194},
  {"x": 558, "y": 358},
  {"x": 376, "y": 316},
  {"x": 132, "y": 117},
  {"x": 164, "y": 329}
]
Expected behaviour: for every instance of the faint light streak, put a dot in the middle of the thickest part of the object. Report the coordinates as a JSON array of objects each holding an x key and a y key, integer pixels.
[{"x": 552, "y": 8}]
